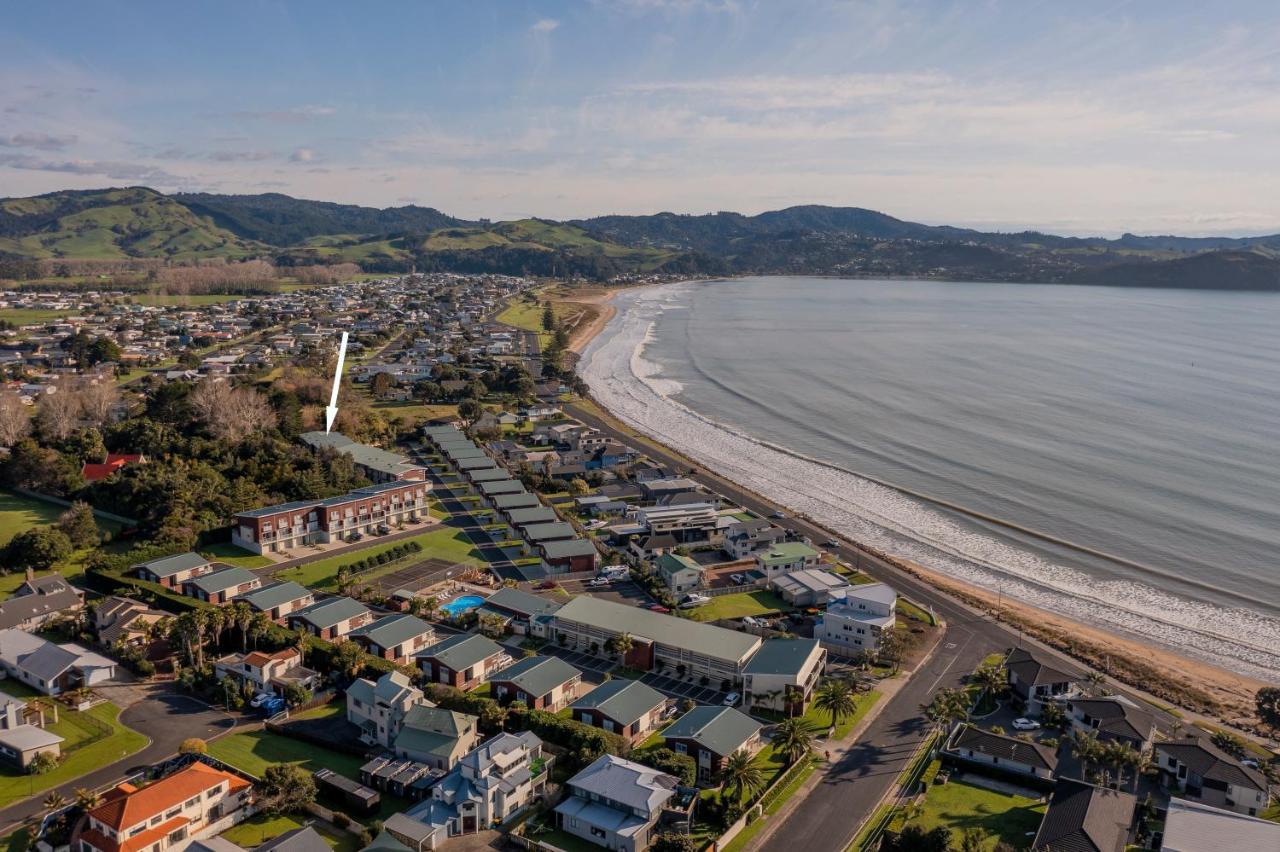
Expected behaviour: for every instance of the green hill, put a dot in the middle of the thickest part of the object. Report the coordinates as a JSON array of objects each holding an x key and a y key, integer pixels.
[{"x": 114, "y": 224}]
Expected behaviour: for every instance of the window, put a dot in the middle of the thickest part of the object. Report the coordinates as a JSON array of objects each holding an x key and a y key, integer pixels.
[
  {"x": 681, "y": 748},
  {"x": 215, "y": 791},
  {"x": 597, "y": 832},
  {"x": 191, "y": 802},
  {"x": 173, "y": 813}
]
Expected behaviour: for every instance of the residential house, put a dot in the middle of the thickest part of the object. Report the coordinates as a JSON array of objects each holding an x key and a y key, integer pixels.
[
  {"x": 691, "y": 523},
  {"x": 172, "y": 571},
  {"x": 489, "y": 785},
  {"x": 265, "y": 672},
  {"x": 1195, "y": 827},
  {"x": 1201, "y": 771},
  {"x": 811, "y": 587},
  {"x": 743, "y": 539},
  {"x": 120, "y": 619},
  {"x": 568, "y": 556},
  {"x": 1082, "y": 816},
  {"x": 615, "y": 803},
  {"x": 1009, "y": 754},
  {"x": 465, "y": 660},
  {"x": 710, "y": 734},
  {"x": 38, "y": 600},
  {"x": 395, "y": 637},
  {"x": 1036, "y": 679},
  {"x": 783, "y": 675},
  {"x": 785, "y": 558},
  {"x": 621, "y": 706},
  {"x": 436, "y": 737},
  {"x": 286, "y": 526},
  {"x": 50, "y": 668},
  {"x": 98, "y": 471},
  {"x": 657, "y": 641},
  {"x": 375, "y": 463},
  {"x": 679, "y": 574},
  {"x": 332, "y": 618},
  {"x": 220, "y": 586},
  {"x": 194, "y": 802},
  {"x": 378, "y": 708},
  {"x": 304, "y": 839},
  {"x": 1114, "y": 718},
  {"x": 20, "y": 741},
  {"x": 518, "y": 607},
  {"x": 279, "y": 600},
  {"x": 542, "y": 683},
  {"x": 853, "y": 626}
]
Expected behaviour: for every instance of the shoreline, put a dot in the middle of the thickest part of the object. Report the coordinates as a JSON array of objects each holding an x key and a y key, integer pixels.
[{"x": 1233, "y": 692}]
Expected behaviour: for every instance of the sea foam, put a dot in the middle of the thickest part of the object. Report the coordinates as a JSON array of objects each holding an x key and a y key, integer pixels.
[{"x": 632, "y": 387}]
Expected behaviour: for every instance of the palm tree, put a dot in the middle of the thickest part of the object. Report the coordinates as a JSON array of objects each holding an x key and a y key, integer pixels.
[
  {"x": 260, "y": 626},
  {"x": 242, "y": 614},
  {"x": 1095, "y": 680},
  {"x": 836, "y": 696},
  {"x": 740, "y": 776},
  {"x": 430, "y": 605},
  {"x": 620, "y": 645},
  {"x": 1087, "y": 749},
  {"x": 54, "y": 801},
  {"x": 86, "y": 799},
  {"x": 794, "y": 738},
  {"x": 991, "y": 678}
]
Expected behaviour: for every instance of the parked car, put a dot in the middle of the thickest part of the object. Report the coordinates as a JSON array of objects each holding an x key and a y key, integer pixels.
[
  {"x": 751, "y": 619},
  {"x": 1022, "y": 723},
  {"x": 731, "y": 699},
  {"x": 355, "y": 536},
  {"x": 670, "y": 711},
  {"x": 384, "y": 529},
  {"x": 738, "y": 579},
  {"x": 833, "y": 544},
  {"x": 779, "y": 515},
  {"x": 261, "y": 698},
  {"x": 658, "y": 608},
  {"x": 598, "y": 581}
]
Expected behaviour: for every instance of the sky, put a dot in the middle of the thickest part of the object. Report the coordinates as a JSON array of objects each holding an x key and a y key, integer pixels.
[{"x": 1080, "y": 117}]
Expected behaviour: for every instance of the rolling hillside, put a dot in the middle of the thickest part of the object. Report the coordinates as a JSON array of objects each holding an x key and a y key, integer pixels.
[{"x": 114, "y": 224}]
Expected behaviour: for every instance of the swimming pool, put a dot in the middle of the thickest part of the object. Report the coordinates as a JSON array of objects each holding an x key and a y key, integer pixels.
[{"x": 464, "y": 603}]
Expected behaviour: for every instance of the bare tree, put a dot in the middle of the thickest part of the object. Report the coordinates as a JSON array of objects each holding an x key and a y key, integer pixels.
[
  {"x": 58, "y": 412},
  {"x": 15, "y": 420},
  {"x": 98, "y": 401},
  {"x": 231, "y": 414}
]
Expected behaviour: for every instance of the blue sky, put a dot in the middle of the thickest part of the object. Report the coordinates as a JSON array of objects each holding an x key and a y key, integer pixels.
[{"x": 1071, "y": 117}]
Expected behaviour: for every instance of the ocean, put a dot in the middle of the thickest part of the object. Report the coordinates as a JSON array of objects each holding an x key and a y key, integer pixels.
[{"x": 1106, "y": 453}]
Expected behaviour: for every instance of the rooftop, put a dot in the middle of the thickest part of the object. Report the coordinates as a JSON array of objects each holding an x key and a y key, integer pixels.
[
  {"x": 782, "y": 657},
  {"x": 722, "y": 730},
  {"x": 621, "y": 699},
  {"x": 709, "y": 640},
  {"x": 539, "y": 675}
]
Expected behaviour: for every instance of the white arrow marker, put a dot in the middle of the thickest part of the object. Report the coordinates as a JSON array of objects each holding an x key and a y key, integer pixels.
[{"x": 332, "y": 411}]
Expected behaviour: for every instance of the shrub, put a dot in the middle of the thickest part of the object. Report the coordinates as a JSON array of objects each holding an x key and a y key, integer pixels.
[
  {"x": 341, "y": 820},
  {"x": 193, "y": 745}
]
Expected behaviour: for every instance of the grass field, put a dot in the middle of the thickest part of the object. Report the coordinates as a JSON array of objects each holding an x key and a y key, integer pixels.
[
  {"x": 254, "y": 751},
  {"x": 820, "y": 720},
  {"x": 415, "y": 411},
  {"x": 232, "y": 555},
  {"x": 443, "y": 543},
  {"x": 260, "y": 828},
  {"x": 959, "y": 806},
  {"x": 120, "y": 743},
  {"x": 29, "y": 316},
  {"x": 18, "y": 513},
  {"x": 738, "y": 605}
]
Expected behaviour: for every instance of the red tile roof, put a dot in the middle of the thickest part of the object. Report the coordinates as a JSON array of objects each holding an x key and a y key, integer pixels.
[
  {"x": 115, "y": 461},
  {"x": 126, "y": 807},
  {"x": 136, "y": 843}
]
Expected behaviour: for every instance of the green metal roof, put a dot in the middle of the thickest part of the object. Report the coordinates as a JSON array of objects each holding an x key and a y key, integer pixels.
[
  {"x": 781, "y": 656},
  {"x": 223, "y": 579},
  {"x": 462, "y": 651},
  {"x": 787, "y": 552},
  {"x": 277, "y": 594},
  {"x": 391, "y": 630},
  {"x": 622, "y": 700},
  {"x": 707, "y": 639},
  {"x": 670, "y": 564},
  {"x": 549, "y": 532},
  {"x": 722, "y": 730},
  {"x": 538, "y": 675}
]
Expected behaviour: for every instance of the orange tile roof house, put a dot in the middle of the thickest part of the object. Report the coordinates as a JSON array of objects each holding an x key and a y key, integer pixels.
[
  {"x": 190, "y": 803},
  {"x": 93, "y": 472}
]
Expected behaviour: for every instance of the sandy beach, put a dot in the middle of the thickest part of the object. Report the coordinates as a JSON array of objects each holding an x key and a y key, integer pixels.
[
  {"x": 1233, "y": 693},
  {"x": 596, "y": 313}
]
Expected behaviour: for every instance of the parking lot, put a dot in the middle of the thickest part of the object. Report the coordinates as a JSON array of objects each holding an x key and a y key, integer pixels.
[
  {"x": 622, "y": 591},
  {"x": 578, "y": 659},
  {"x": 683, "y": 689}
]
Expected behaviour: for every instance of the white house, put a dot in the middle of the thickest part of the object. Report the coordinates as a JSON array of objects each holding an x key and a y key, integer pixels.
[
  {"x": 379, "y": 708},
  {"x": 615, "y": 803},
  {"x": 853, "y": 626}
]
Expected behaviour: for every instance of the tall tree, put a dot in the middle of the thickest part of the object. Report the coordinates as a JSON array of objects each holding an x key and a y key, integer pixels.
[
  {"x": 794, "y": 738},
  {"x": 15, "y": 419},
  {"x": 836, "y": 696},
  {"x": 740, "y": 776}
]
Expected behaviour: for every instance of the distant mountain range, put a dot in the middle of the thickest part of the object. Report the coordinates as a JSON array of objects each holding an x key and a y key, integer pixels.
[{"x": 137, "y": 222}]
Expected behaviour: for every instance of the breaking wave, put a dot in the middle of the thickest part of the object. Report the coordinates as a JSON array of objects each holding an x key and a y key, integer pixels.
[{"x": 632, "y": 387}]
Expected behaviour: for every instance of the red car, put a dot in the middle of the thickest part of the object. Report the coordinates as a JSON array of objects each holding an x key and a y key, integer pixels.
[{"x": 658, "y": 608}]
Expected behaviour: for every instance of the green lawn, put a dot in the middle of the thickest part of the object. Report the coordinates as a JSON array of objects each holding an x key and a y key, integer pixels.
[
  {"x": 254, "y": 751},
  {"x": 1001, "y": 817},
  {"x": 190, "y": 299},
  {"x": 119, "y": 744},
  {"x": 820, "y": 720},
  {"x": 739, "y": 604},
  {"x": 18, "y": 513},
  {"x": 562, "y": 839},
  {"x": 906, "y": 609},
  {"x": 227, "y": 552},
  {"x": 443, "y": 543},
  {"x": 29, "y": 316},
  {"x": 745, "y": 836},
  {"x": 324, "y": 711},
  {"x": 260, "y": 828}
]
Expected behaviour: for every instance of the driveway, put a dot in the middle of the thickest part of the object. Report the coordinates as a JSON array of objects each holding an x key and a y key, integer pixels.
[{"x": 165, "y": 717}]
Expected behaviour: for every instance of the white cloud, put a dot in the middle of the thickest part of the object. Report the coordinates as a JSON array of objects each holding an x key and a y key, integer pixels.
[
  {"x": 291, "y": 115},
  {"x": 38, "y": 141},
  {"x": 545, "y": 25},
  {"x": 302, "y": 155}
]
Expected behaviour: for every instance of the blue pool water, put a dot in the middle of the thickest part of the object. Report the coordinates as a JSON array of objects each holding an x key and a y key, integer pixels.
[{"x": 459, "y": 605}]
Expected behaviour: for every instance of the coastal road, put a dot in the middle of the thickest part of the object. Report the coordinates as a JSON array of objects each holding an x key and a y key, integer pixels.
[
  {"x": 165, "y": 716},
  {"x": 849, "y": 791}
]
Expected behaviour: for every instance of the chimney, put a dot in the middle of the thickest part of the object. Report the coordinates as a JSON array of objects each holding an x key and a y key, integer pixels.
[{"x": 31, "y": 574}]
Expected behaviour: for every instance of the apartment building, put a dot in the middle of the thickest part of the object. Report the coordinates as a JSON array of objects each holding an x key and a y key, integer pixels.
[{"x": 364, "y": 511}]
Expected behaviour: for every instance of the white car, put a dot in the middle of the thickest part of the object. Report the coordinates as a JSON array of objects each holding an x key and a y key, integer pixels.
[
  {"x": 1022, "y": 723},
  {"x": 690, "y": 601},
  {"x": 737, "y": 579},
  {"x": 750, "y": 619},
  {"x": 731, "y": 699},
  {"x": 598, "y": 581},
  {"x": 261, "y": 698}
]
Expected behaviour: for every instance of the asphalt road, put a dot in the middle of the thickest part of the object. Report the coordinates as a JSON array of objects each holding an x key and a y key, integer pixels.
[
  {"x": 830, "y": 816},
  {"x": 164, "y": 716}
]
